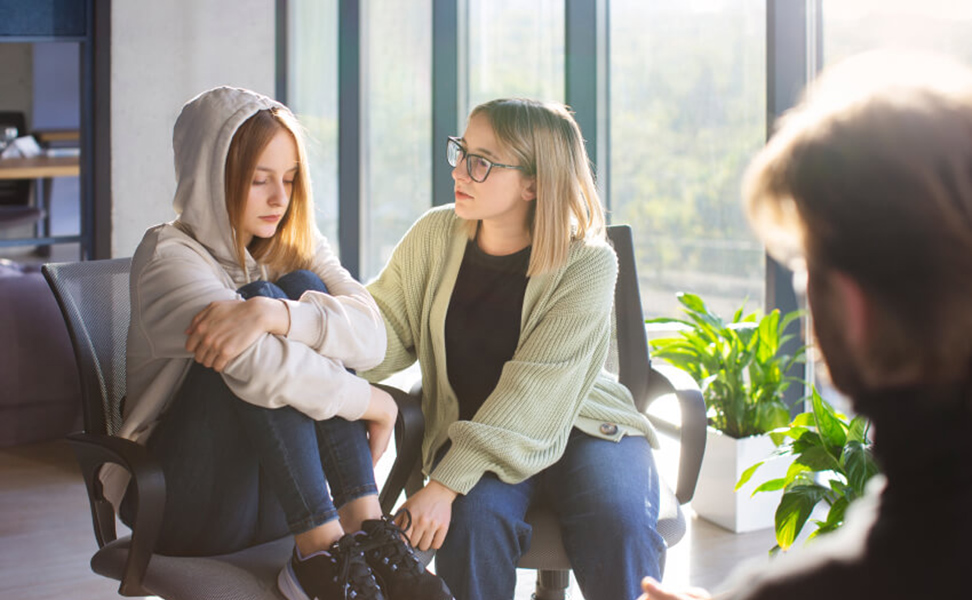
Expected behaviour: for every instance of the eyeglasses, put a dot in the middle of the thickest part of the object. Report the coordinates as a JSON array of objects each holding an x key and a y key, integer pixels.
[{"x": 477, "y": 166}]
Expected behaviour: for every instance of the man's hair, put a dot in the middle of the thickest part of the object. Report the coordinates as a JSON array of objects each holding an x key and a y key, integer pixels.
[
  {"x": 546, "y": 141},
  {"x": 871, "y": 175},
  {"x": 292, "y": 246}
]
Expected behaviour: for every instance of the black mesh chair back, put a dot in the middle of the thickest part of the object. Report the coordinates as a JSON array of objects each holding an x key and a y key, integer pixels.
[
  {"x": 94, "y": 299},
  {"x": 629, "y": 319},
  {"x": 648, "y": 381}
]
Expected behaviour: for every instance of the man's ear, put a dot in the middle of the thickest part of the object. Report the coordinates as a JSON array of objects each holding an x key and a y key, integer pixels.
[
  {"x": 529, "y": 191},
  {"x": 857, "y": 310}
]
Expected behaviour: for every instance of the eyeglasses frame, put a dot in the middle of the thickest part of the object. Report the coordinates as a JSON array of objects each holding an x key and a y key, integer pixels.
[{"x": 465, "y": 157}]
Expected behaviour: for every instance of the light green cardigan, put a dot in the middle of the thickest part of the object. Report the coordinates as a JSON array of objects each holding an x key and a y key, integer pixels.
[{"x": 555, "y": 380}]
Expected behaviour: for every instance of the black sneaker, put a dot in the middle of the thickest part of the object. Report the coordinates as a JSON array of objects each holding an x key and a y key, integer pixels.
[
  {"x": 400, "y": 573},
  {"x": 339, "y": 573}
]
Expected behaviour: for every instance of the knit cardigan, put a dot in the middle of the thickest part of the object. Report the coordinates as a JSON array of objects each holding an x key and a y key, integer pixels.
[{"x": 555, "y": 380}]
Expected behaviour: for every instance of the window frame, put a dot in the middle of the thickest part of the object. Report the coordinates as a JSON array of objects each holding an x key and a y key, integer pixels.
[{"x": 793, "y": 48}]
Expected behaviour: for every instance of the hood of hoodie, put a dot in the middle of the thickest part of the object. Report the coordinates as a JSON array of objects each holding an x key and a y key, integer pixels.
[{"x": 201, "y": 140}]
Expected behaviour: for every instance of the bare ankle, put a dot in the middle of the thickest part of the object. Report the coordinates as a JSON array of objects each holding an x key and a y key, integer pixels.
[
  {"x": 359, "y": 510},
  {"x": 319, "y": 538}
]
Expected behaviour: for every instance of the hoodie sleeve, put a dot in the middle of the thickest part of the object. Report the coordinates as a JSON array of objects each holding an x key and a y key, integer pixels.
[
  {"x": 345, "y": 323},
  {"x": 273, "y": 372}
]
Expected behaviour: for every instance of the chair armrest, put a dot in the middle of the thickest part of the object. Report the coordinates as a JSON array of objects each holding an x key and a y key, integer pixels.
[
  {"x": 666, "y": 379},
  {"x": 93, "y": 451},
  {"x": 409, "y": 431}
]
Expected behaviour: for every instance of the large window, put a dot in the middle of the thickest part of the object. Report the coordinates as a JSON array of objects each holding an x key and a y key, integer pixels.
[
  {"x": 397, "y": 100},
  {"x": 514, "y": 48},
  {"x": 313, "y": 95},
  {"x": 852, "y": 26},
  {"x": 687, "y": 112},
  {"x": 685, "y": 103}
]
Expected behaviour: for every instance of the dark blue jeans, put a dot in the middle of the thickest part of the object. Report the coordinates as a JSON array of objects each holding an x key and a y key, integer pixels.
[
  {"x": 238, "y": 474},
  {"x": 605, "y": 495}
]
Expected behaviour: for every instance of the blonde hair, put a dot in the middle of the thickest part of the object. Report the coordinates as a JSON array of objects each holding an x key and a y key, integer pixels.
[
  {"x": 546, "y": 141},
  {"x": 292, "y": 246},
  {"x": 871, "y": 175}
]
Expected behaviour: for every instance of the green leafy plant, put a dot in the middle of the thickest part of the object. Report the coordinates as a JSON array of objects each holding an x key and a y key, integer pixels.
[
  {"x": 832, "y": 463},
  {"x": 741, "y": 365}
]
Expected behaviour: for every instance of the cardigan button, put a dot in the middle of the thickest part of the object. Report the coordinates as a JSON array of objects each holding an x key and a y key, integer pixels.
[{"x": 609, "y": 428}]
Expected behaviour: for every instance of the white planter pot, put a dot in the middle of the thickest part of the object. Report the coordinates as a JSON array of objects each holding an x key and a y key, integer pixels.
[{"x": 724, "y": 461}]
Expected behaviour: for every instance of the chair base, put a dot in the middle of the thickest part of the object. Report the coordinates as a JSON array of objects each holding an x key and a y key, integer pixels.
[{"x": 552, "y": 585}]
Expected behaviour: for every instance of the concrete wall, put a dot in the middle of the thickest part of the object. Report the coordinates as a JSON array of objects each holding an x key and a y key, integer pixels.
[
  {"x": 163, "y": 54},
  {"x": 57, "y": 86}
]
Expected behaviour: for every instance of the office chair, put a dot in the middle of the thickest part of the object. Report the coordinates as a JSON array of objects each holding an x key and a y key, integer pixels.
[
  {"x": 94, "y": 299},
  {"x": 647, "y": 382}
]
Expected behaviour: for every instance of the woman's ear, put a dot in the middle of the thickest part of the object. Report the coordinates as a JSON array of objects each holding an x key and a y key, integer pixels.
[
  {"x": 842, "y": 323},
  {"x": 857, "y": 308},
  {"x": 529, "y": 191}
]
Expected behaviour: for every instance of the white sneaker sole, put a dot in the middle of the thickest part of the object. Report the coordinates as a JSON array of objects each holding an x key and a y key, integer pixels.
[{"x": 288, "y": 585}]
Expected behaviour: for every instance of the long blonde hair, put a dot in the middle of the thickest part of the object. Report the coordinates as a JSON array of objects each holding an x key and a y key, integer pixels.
[
  {"x": 547, "y": 142},
  {"x": 292, "y": 246}
]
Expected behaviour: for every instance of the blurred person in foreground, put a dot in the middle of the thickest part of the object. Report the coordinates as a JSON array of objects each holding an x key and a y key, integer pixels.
[{"x": 867, "y": 186}]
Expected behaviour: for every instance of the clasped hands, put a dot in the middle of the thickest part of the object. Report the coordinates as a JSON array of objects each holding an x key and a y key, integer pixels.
[{"x": 225, "y": 328}]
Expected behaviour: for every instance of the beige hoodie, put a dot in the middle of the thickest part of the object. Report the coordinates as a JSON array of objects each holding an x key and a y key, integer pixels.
[{"x": 180, "y": 267}]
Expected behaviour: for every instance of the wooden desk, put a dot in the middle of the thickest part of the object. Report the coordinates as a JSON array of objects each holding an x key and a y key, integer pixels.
[
  {"x": 42, "y": 169},
  {"x": 47, "y": 136}
]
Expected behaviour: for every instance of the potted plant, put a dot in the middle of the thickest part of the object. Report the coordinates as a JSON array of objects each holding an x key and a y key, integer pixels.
[
  {"x": 831, "y": 464},
  {"x": 743, "y": 367}
]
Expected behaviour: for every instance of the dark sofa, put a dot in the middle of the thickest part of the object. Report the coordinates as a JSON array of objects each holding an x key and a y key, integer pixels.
[{"x": 40, "y": 396}]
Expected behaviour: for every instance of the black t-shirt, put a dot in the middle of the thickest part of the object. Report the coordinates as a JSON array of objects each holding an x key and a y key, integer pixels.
[{"x": 482, "y": 326}]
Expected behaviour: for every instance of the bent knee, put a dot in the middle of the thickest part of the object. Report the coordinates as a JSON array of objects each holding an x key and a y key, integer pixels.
[{"x": 630, "y": 513}]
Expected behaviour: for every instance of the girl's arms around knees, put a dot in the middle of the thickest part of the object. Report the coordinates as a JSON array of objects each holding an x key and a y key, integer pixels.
[{"x": 225, "y": 328}]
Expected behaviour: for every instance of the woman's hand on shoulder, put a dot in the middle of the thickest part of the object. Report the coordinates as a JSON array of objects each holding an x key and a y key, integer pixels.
[
  {"x": 431, "y": 512},
  {"x": 225, "y": 328}
]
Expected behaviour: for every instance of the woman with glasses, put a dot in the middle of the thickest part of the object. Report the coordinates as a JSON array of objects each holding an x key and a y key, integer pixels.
[{"x": 505, "y": 299}]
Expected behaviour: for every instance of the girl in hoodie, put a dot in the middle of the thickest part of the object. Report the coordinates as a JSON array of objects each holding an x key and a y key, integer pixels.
[
  {"x": 243, "y": 333},
  {"x": 505, "y": 299}
]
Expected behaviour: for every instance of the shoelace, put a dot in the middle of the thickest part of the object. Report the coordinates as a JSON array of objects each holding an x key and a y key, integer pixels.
[
  {"x": 392, "y": 540},
  {"x": 362, "y": 579}
]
